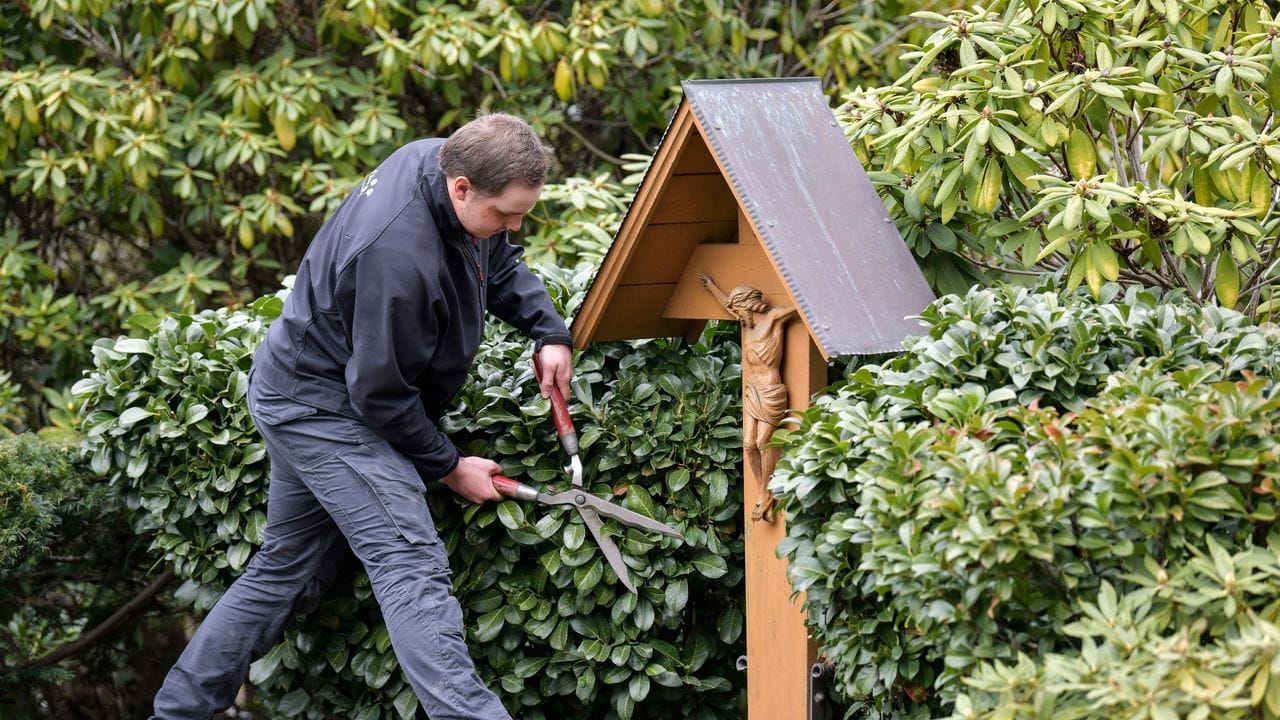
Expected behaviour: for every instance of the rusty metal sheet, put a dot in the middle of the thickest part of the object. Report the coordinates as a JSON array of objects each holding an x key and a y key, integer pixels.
[{"x": 826, "y": 229}]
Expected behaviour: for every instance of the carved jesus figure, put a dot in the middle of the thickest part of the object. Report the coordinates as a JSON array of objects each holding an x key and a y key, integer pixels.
[{"x": 764, "y": 394}]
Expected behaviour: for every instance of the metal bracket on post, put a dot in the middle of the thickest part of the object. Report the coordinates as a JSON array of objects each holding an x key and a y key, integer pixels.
[{"x": 821, "y": 705}]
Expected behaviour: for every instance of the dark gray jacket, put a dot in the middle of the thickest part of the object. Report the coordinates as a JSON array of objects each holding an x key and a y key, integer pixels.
[{"x": 387, "y": 310}]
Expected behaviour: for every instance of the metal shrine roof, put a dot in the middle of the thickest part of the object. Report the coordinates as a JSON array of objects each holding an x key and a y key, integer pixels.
[{"x": 787, "y": 164}]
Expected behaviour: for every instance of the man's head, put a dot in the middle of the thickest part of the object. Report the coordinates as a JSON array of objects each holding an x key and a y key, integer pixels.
[{"x": 495, "y": 166}]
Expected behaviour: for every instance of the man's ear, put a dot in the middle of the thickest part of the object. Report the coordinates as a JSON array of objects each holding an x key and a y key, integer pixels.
[{"x": 459, "y": 187}]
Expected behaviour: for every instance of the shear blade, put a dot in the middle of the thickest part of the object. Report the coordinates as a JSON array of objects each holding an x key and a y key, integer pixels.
[
  {"x": 607, "y": 546},
  {"x": 584, "y": 500}
]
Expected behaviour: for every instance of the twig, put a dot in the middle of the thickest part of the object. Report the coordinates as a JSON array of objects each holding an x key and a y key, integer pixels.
[
  {"x": 893, "y": 38},
  {"x": 1136, "y": 271},
  {"x": 587, "y": 143},
  {"x": 117, "y": 618},
  {"x": 1135, "y": 156},
  {"x": 1259, "y": 278},
  {"x": 90, "y": 38},
  {"x": 1172, "y": 263},
  {"x": 1117, "y": 152},
  {"x": 999, "y": 268},
  {"x": 497, "y": 80}
]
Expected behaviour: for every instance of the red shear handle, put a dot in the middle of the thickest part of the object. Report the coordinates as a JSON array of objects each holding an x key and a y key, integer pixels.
[
  {"x": 507, "y": 487},
  {"x": 559, "y": 413}
]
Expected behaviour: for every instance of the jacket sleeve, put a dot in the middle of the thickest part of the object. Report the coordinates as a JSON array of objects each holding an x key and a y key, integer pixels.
[
  {"x": 520, "y": 298},
  {"x": 392, "y": 329}
]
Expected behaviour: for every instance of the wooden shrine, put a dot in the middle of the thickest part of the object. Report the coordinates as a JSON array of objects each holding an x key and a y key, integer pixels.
[{"x": 755, "y": 208}]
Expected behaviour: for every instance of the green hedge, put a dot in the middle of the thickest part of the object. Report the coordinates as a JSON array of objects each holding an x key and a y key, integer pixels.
[
  {"x": 964, "y": 503},
  {"x": 43, "y": 500},
  {"x": 165, "y": 417},
  {"x": 550, "y": 626},
  {"x": 45, "y": 491},
  {"x": 1173, "y": 505},
  {"x": 67, "y": 562}
]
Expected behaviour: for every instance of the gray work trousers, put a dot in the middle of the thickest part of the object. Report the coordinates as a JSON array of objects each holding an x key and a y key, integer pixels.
[{"x": 334, "y": 482}]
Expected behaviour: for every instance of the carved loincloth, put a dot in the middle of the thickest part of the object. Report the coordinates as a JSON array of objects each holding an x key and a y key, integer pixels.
[{"x": 766, "y": 403}]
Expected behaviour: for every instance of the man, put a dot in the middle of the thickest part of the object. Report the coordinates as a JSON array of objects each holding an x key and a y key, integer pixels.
[{"x": 384, "y": 321}]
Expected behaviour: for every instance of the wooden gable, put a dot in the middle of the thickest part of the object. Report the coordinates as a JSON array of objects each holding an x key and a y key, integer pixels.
[
  {"x": 754, "y": 179},
  {"x": 691, "y": 205}
]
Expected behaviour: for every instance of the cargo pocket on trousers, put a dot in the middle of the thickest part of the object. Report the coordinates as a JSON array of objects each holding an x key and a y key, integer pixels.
[
  {"x": 273, "y": 414},
  {"x": 395, "y": 485},
  {"x": 271, "y": 408}
]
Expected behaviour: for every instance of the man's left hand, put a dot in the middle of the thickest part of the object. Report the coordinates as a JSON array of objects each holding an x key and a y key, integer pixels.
[{"x": 557, "y": 368}]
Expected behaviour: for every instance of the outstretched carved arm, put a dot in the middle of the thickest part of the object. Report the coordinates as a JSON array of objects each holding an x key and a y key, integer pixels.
[
  {"x": 710, "y": 284},
  {"x": 783, "y": 314}
]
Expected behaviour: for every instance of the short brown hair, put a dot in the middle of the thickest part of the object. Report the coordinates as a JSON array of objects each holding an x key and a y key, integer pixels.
[{"x": 495, "y": 150}]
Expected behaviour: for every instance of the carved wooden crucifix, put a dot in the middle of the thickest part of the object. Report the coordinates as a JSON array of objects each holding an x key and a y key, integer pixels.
[
  {"x": 781, "y": 369},
  {"x": 764, "y": 395}
]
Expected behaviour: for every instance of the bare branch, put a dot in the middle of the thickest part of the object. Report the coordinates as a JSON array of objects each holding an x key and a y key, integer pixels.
[
  {"x": 117, "y": 618},
  {"x": 890, "y": 40},
  {"x": 1117, "y": 152},
  {"x": 1140, "y": 273},
  {"x": 1134, "y": 144},
  {"x": 91, "y": 38},
  {"x": 587, "y": 144},
  {"x": 1260, "y": 278},
  {"x": 999, "y": 268},
  {"x": 1172, "y": 263}
]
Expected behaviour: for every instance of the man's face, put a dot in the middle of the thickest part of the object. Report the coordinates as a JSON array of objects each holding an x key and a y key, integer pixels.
[{"x": 484, "y": 215}]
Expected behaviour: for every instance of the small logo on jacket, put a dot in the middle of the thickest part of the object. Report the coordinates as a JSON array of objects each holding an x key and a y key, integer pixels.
[{"x": 366, "y": 187}]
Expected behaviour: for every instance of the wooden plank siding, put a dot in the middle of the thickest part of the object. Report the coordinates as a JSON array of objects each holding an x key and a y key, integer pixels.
[
  {"x": 729, "y": 265},
  {"x": 705, "y": 197},
  {"x": 665, "y": 250},
  {"x": 587, "y": 326},
  {"x": 683, "y": 203}
]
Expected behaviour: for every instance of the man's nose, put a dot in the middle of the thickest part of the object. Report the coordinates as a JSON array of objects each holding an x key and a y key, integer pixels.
[{"x": 514, "y": 225}]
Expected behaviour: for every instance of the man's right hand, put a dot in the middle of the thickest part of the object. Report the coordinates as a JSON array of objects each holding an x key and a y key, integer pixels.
[{"x": 473, "y": 479}]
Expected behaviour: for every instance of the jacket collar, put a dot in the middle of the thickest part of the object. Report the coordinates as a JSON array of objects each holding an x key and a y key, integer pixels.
[{"x": 437, "y": 192}]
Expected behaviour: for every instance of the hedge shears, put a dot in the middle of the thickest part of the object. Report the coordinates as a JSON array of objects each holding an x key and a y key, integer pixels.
[{"x": 588, "y": 505}]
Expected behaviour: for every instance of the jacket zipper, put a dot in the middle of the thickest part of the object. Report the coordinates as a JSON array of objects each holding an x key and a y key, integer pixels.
[{"x": 473, "y": 249}]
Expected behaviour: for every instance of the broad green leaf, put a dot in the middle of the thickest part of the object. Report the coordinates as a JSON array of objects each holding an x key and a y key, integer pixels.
[
  {"x": 238, "y": 555},
  {"x": 710, "y": 566},
  {"x": 585, "y": 578},
  {"x": 133, "y": 346},
  {"x": 730, "y": 624},
  {"x": 1226, "y": 280},
  {"x": 511, "y": 514},
  {"x": 294, "y": 703},
  {"x": 406, "y": 704},
  {"x": 133, "y": 415},
  {"x": 489, "y": 625}
]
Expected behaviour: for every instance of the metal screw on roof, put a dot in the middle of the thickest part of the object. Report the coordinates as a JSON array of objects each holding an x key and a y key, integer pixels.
[
  {"x": 771, "y": 223},
  {"x": 888, "y": 221},
  {"x": 826, "y": 326}
]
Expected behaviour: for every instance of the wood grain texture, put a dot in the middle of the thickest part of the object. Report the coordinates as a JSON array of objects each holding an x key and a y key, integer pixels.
[{"x": 779, "y": 651}]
